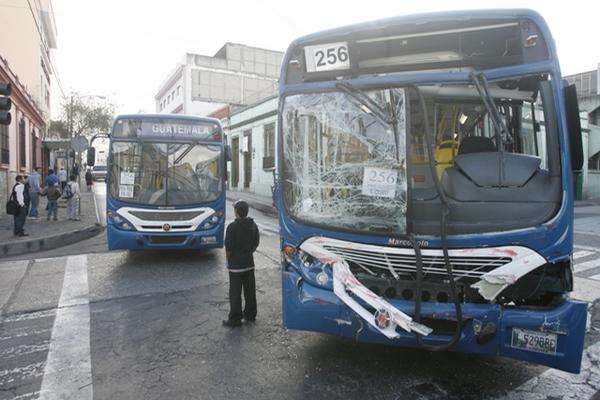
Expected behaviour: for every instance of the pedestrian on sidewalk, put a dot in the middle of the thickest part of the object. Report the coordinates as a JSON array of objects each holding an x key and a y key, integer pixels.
[
  {"x": 21, "y": 214},
  {"x": 71, "y": 193},
  {"x": 51, "y": 179},
  {"x": 34, "y": 192},
  {"x": 26, "y": 195},
  {"x": 89, "y": 179},
  {"x": 53, "y": 194},
  {"x": 62, "y": 177},
  {"x": 241, "y": 240}
]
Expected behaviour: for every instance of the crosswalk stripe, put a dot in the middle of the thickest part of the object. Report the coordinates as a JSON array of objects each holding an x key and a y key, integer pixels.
[
  {"x": 68, "y": 370},
  {"x": 580, "y": 247},
  {"x": 587, "y": 265},
  {"x": 581, "y": 254},
  {"x": 595, "y": 277}
]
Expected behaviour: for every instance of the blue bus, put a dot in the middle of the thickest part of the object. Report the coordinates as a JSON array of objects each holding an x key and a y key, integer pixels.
[
  {"x": 424, "y": 186},
  {"x": 165, "y": 182}
]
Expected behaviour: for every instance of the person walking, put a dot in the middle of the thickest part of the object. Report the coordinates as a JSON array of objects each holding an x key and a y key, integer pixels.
[
  {"x": 241, "y": 240},
  {"x": 34, "y": 192},
  {"x": 71, "y": 193},
  {"x": 51, "y": 179},
  {"x": 89, "y": 179},
  {"x": 21, "y": 215},
  {"x": 53, "y": 194},
  {"x": 62, "y": 177}
]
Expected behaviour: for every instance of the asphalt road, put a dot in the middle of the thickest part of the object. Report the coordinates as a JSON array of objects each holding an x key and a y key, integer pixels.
[{"x": 84, "y": 323}]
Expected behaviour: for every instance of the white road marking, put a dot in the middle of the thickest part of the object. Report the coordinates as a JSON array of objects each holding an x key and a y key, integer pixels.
[
  {"x": 68, "y": 371},
  {"x": 578, "y": 246},
  {"x": 557, "y": 384},
  {"x": 582, "y": 253},
  {"x": 595, "y": 263},
  {"x": 587, "y": 233}
]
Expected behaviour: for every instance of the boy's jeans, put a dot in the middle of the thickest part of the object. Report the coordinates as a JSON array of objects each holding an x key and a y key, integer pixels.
[{"x": 52, "y": 208}]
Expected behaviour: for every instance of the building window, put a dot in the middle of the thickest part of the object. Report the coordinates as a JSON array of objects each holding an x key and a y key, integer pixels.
[
  {"x": 269, "y": 146},
  {"x": 22, "y": 153},
  {"x": 33, "y": 149},
  {"x": 178, "y": 89},
  {"x": 4, "y": 149}
]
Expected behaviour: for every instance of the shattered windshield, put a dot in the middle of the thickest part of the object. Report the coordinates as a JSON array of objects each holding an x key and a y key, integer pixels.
[{"x": 345, "y": 159}]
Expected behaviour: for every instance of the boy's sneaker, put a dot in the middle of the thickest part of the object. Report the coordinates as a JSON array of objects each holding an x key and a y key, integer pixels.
[{"x": 231, "y": 324}]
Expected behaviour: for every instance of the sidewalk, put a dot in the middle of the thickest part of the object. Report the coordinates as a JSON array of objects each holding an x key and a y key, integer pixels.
[
  {"x": 261, "y": 203},
  {"x": 46, "y": 235}
]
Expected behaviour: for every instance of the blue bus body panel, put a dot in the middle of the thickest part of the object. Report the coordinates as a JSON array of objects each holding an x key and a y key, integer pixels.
[
  {"x": 119, "y": 239},
  {"x": 131, "y": 240},
  {"x": 306, "y": 307}
]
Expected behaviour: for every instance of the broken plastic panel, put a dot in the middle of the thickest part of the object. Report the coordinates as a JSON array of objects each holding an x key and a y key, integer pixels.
[
  {"x": 345, "y": 160},
  {"x": 386, "y": 317}
]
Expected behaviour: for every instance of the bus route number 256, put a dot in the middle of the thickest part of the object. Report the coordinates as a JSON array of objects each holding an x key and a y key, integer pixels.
[{"x": 327, "y": 57}]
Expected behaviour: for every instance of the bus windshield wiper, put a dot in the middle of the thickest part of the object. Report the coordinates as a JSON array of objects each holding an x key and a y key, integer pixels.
[
  {"x": 483, "y": 89},
  {"x": 370, "y": 105}
]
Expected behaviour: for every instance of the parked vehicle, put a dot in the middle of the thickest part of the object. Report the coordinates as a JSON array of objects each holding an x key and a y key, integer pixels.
[{"x": 99, "y": 172}]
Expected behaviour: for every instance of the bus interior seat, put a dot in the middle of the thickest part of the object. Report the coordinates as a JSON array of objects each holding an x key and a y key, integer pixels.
[{"x": 476, "y": 144}]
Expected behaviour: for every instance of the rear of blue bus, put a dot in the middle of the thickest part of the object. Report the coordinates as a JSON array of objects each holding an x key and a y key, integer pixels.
[
  {"x": 165, "y": 183},
  {"x": 424, "y": 176}
]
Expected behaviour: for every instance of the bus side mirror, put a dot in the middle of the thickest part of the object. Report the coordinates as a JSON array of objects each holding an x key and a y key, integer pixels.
[
  {"x": 91, "y": 156},
  {"x": 227, "y": 153},
  {"x": 574, "y": 126}
]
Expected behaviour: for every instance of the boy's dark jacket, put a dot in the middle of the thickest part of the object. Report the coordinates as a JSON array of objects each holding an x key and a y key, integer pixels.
[
  {"x": 241, "y": 240},
  {"x": 52, "y": 192}
]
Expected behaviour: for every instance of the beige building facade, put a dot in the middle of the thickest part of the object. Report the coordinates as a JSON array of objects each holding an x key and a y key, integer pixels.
[{"x": 27, "y": 40}]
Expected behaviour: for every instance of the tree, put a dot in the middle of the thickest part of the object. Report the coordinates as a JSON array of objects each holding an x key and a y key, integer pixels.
[{"x": 83, "y": 115}]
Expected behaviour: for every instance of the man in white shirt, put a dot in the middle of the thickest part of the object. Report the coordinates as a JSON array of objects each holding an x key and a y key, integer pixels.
[
  {"x": 73, "y": 200},
  {"x": 62, "y": 178},
  {"x": 21, "y": 214}
]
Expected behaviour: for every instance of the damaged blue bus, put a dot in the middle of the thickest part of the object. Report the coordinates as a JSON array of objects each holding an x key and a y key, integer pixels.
[{"x": 424, "y": 186}]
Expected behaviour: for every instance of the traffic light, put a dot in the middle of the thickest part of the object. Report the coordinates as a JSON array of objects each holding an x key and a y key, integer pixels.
[{"x": 5, "y": 103}]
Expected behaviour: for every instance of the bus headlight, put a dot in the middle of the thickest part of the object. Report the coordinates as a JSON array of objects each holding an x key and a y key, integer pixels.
[
  {"x": 212, "y": 221},
  {"x": 119, "y": 221},
  {"x": 315, "y": 271}
]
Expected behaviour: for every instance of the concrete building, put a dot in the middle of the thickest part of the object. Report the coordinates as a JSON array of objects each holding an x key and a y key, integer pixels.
[
  {"x": 236, "y": 75},
  {"x": 28, "y": 37},
  {"x": 252, "y": 140}
]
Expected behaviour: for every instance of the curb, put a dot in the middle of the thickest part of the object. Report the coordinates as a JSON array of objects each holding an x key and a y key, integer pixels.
[
  {"x": 49, "y": 242},
  {"x": 264, "y": 208}
]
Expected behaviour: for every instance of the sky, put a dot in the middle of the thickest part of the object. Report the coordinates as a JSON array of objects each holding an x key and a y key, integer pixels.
[{"x": 124, "y": 49}]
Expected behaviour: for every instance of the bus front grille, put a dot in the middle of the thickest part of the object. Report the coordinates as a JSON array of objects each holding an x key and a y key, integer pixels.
[
  {"x": 156, "y": 239},
  {"x": 406, "y": 264},
  {"x": 165, "y": 216}
]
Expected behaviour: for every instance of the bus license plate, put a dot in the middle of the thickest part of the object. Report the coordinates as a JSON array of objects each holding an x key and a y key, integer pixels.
[{"x": 534, "y": 341}]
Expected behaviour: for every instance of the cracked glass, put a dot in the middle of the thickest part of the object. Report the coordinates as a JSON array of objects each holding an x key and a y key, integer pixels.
[{"x": 344, "y": 156}]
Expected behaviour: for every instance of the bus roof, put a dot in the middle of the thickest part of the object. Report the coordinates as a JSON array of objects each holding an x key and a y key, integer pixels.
[{"x": 474, "y": 38}]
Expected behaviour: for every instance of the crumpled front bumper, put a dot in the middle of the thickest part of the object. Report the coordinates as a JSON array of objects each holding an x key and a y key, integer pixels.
[{"x": 487, "y": 328}]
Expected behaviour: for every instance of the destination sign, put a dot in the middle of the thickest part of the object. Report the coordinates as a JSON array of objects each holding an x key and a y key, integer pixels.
[{"x": 167, "y": 128}]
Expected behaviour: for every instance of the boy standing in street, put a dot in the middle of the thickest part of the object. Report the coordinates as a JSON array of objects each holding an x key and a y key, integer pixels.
[{"x": 241, "y": 240}]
